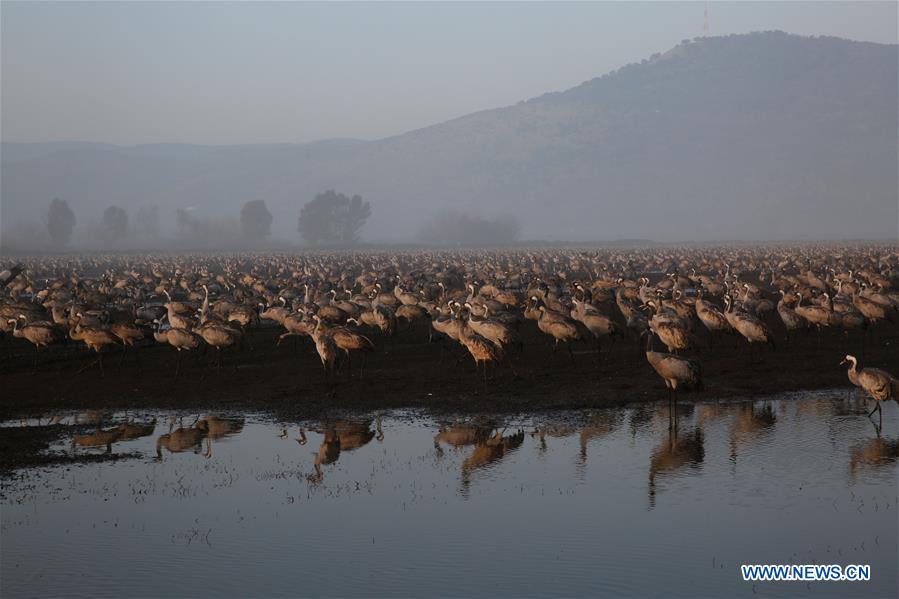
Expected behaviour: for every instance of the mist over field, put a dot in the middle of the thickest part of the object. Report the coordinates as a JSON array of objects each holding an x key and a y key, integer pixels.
[{"x": 765, "y": 136}]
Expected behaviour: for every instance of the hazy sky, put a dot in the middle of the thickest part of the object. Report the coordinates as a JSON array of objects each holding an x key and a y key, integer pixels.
[{"x": 221, "y": 73}]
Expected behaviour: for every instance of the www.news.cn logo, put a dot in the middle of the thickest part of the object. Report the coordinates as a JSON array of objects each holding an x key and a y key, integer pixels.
[{"x": 805, "y": 572}]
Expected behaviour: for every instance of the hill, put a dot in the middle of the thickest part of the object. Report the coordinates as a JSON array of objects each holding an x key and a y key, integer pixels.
[{"x": 758, "y": 136}]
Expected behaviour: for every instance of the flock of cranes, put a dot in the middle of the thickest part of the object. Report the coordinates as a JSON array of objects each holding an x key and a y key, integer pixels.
[{"x": 350, "y": 304}]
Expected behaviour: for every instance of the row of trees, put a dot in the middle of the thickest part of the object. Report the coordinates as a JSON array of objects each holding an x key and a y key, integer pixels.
[
  {"x": 333, "y": 218},
  {"x": 329, "y": 218},
  {"x": 114, "y": 222},
  {"x": 458, "y": 228}
]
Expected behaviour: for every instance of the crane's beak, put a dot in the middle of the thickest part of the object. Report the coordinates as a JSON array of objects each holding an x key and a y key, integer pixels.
[{"x": 843, "y": 362}]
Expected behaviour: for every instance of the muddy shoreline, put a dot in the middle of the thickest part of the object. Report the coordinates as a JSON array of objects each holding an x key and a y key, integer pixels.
[
  {"x": 408, "y": 372},
  {"x": 287, "y": 383}
]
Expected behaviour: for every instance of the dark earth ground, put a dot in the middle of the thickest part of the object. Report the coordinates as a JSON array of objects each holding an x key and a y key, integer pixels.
[{"x": 404, "y": 372}]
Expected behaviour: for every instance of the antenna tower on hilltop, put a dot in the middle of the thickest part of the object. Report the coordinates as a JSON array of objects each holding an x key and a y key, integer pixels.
[{"x": 705, "y": 22}]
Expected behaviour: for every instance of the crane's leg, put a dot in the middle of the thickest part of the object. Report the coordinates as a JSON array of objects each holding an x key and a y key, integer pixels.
[
  {"x": 83, "y": 368},
  {"x": 178, "y": 365},
  {"x": 100, "y": 361},
  {"x": 511, "y": 366},
  {"x": 876, "y": 405},
  {"x": 675, "y": 410},
  {"x": 669, "y": 408}
]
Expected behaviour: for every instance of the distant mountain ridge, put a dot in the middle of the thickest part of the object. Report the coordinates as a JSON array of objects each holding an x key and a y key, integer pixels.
[{"x": 764, "y": 136}]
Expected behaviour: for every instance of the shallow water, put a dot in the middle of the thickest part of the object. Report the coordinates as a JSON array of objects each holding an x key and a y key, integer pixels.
[{"x": 604, "y": 503}]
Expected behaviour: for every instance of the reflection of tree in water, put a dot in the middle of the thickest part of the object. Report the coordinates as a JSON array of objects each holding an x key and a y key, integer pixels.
[
  {"x": 679, "y": 451},
  {"x": 339, "y": 437}
]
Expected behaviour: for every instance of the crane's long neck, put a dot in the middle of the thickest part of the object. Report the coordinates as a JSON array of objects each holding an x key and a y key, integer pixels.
[
  {"x": 204, "y": 310},
  {"x": 853, "y": 372}
]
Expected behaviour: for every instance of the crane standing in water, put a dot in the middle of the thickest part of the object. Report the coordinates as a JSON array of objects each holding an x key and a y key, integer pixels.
[
  {"x": 879, "y": 384},
  {"x": 676, "y": 371}
]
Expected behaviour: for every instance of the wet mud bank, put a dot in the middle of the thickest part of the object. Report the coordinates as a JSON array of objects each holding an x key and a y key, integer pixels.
[{"x": 408, "y": 372}]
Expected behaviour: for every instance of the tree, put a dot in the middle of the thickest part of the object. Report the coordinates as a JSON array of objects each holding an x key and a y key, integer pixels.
[
  {"x": 60, "y": 222},
  {"x": 357, "y": 212},
  {"x": 187, "y": 224},
  {"x": 333, "y": 218},
  {"x": 456, "y": 228},
  {"x": 147, "y": 221},
  {"x": 115, "y": 222},
  {"x": 255, "y": 220}
]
